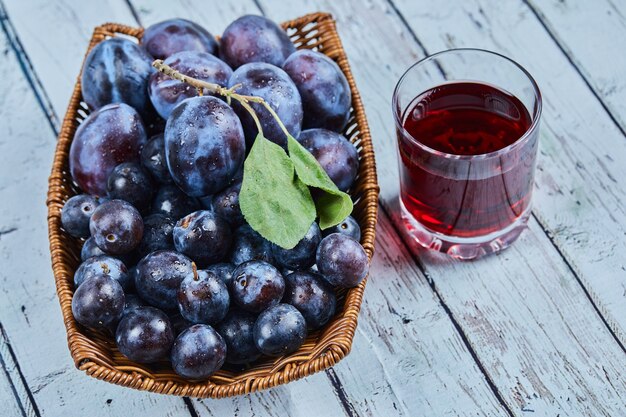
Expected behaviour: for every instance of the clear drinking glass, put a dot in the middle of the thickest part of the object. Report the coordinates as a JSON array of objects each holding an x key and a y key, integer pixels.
[{"x": 467, "y": 122}]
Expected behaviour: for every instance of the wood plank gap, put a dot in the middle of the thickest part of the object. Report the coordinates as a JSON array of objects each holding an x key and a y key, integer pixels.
[
  {"x": 341, "y": 393},
  {"x": 28, "y": 70},
  {"x": 133, "y": 11},
  {"x": 542, "y": 21},
  {"x": 449, "y": 313},
  {"x": 18, "y": 400},
  {"x": 27, "y": 405},
  {"x": 613, "y": 329},
  {"x": 259, "y": 6},
  {"x": 190, "y": 407}
]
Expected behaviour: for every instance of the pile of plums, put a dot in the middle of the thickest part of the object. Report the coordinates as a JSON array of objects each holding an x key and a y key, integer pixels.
[{"x": 169, "y": 264}]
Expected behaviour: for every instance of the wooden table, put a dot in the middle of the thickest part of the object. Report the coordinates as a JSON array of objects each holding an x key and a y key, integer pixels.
[{"x": 539, "y": 330}]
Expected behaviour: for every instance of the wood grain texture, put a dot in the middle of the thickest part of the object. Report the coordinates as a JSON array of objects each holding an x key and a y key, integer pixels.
[
  {"x": 502, "y": 337},
  {"x": 579, "y": 195},
  {"x": 592, "y": 34}
]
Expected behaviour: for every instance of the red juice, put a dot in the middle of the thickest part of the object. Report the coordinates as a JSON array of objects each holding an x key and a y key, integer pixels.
[{"x": 462, "y": 188}]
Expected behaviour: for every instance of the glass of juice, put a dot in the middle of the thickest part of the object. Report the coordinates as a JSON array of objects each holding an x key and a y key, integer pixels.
[{"x": 467, "y": 122}]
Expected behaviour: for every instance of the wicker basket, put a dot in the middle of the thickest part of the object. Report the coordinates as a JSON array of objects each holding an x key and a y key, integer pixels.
[{"x": 96, "y": 353}]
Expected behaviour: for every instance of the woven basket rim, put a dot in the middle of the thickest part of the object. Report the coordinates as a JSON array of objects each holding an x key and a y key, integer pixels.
[{"x": 332, "y": 344}]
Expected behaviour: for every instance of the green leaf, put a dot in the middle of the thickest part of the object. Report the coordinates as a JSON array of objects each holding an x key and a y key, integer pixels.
[
  {"x": 333, "y": 206},
  {"x": 273, "y": 200}
]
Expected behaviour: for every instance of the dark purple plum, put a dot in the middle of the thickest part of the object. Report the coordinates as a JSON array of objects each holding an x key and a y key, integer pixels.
[
  {"x": 256, "y": 286},
  {"x": 325, "y": 91},
  {"x": 98, "y": 302},
  {"x": 255, "y": 39},
  {"x": 129, "y": 181},
  {"x": 176, "y": 35},
  {"x": 335, "y": 153},
  {"x": 153, "y": 159},
  {"x": 279, "y": 330},
  {"x": 157, "y": 234},
  {"x": 158, "y": 278},
  {"x": 145, "y": 335},
  {"x": 76, "y": 213},
  {"x": 116, "y": 226},
  {"x": 203, "y": 298},
  {"x": 349, "y": 227},
  {"x": 342, "y": 261},
  {"x": 198, "y": 352},
  {"x": 204, "y": 145},
  {"x": 226, "y": 204},
  {"x": 171, "y": 202},
  {"x": 131, "y": 302},
  {"x": 203, "y": 236},
  {"x": 237, "y": 331},
  {"x": 223, "y": 271},
  {"x": 276, "y": 88},
  {"x": 312, "y": 296},
  {"x": 109, "y": 136},
  {"x": 166, "y": 92},
  {"x": 90, "y": 249},
  {"x": 100, "y": 266},
  {"x": 303, "y": 254},
  {"x": 249, "y": 245},
  {"x": 117, "y": 71}
]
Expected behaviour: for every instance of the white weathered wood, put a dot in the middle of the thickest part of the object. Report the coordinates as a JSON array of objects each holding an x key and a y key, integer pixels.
[
  {"x": 380, "y": 49},
  {"x": 593, "y": 34},
  {"x": 580, "y": 195}
]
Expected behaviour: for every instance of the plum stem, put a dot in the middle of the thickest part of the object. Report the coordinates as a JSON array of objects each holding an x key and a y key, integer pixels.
[{"x": 229, "y": 93}]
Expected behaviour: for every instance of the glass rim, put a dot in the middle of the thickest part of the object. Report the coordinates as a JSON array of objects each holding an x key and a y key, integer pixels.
[{"x": 522, "y": 139}]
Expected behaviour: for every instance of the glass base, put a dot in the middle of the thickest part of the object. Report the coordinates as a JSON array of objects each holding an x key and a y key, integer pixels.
[{"x": 463, "y": 248}]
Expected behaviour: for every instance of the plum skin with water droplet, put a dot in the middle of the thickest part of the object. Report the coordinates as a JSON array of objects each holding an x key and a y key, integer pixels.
[
  {"x": 170, "y": 36},
  {"x": 253, "y": 38},
  {"x": 279, "y": 330},
  {"x": 256, "y": 286},
  {"x": 203, "y": 236},
  {"x": 325, "y": 92},
  {"x": 204, "y": 145},
  {"x": 117, "y": 71},
  {"x": 158, "y": 277},
  {"x": 198, "y": 352},
  {"x": 98, "y": 302},
  {"x": 144, "y": 335},
  {"x": 203, "y": 298},
  {"x": 109, "y": 136},
  {"x": 116, "y": 226}
]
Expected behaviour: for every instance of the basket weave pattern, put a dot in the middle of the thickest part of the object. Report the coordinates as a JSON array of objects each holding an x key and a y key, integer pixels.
[{"x": 96, "y": 353}]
